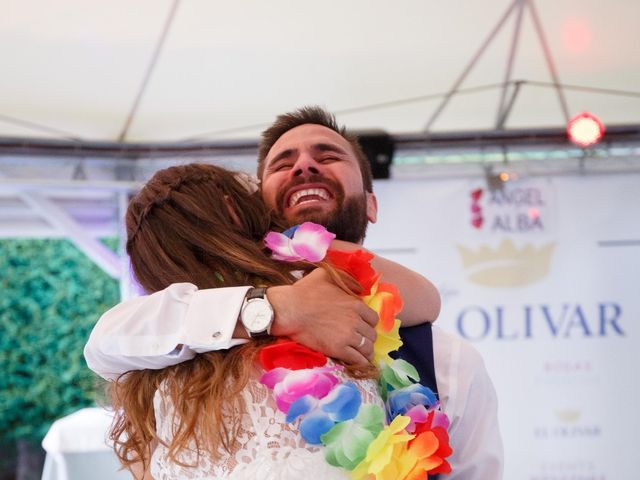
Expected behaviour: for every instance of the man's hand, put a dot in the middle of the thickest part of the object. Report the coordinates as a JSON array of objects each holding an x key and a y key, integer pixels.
[{"x": 316, "y": 312}]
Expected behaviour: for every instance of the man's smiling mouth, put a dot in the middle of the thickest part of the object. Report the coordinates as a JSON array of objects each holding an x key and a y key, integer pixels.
[{"x": 308, "y": 195}]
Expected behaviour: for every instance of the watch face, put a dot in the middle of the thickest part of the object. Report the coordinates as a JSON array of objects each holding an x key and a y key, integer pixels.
[{"x": 257, "y": 315}]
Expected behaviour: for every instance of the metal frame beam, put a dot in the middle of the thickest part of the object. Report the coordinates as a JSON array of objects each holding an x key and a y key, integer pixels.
[
  {"x": 107, "y": 260},
  {"x": 132, "y": 153},
  {"x": 518, "y": 7}
]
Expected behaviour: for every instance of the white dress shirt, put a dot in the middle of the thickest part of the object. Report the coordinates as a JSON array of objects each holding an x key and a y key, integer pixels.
[
  {"x": 172, "y": 325},
  {"x": 164, "y": 329},
  {"x": 469, "y": 400}
]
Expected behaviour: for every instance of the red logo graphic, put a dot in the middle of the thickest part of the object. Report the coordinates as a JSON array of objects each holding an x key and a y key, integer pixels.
[{"x": 476, "y": 210}]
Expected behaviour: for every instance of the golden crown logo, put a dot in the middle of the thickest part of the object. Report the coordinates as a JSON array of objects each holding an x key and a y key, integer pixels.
[
  {"x": 568, "y": 415},
  {"x": 506, "y": 266}
]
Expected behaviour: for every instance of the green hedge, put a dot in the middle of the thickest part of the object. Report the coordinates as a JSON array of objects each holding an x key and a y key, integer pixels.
[{"x": 51, "y": 296}]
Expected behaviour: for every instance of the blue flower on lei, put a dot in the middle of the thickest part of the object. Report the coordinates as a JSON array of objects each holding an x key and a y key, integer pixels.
[
  {"x": 341, "y": 404},
  {"x": 404, "y": 399}
]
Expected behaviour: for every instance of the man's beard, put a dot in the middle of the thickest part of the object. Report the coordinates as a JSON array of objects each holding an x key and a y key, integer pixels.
[{"x": 348, "y": 220}]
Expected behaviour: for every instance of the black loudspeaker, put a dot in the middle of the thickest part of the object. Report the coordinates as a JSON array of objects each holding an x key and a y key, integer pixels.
[{"x": 379, "y": 148}]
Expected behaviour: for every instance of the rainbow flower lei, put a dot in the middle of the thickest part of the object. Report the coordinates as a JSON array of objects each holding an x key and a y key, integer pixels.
[{"x": 407, "y": 441}]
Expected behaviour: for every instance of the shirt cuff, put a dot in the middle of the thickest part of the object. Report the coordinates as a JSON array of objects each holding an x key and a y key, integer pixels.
[{"x": 212, "y": 317}]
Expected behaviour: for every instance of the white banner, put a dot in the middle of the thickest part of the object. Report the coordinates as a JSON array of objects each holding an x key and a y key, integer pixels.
[{"x": 543, "y": 277}]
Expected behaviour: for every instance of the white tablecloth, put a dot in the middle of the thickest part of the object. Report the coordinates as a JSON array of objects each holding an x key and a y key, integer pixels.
[{"x": 77, "y": 448}]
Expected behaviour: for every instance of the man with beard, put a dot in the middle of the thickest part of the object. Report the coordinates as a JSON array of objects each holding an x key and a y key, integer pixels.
[{"x": 311, "y": 170}]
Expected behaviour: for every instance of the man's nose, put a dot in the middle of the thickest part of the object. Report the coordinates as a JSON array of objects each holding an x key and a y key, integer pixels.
[{"x": 306, "y": 165}]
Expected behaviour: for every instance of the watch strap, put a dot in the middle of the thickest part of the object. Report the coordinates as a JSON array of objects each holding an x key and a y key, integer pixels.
[
  {"x": 261, "y": 334},
  {"x": 256, "y": 292}
]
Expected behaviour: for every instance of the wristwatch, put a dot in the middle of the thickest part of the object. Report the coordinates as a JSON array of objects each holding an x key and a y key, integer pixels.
[{"x": 256, "y": 314}]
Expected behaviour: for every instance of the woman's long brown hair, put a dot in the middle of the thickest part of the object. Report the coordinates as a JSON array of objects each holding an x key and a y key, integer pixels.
[{"x": 194, "y": 223}]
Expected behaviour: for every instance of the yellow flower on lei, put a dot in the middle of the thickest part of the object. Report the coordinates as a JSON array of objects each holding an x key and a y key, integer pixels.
[
  {"x": 386, "y": 343},
  {"x": 381, "y": 461},
  {"x": 385, "y": 301}
]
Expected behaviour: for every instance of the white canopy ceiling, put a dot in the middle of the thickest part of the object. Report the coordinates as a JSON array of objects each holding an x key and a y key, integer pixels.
[
  {"x": 193, "y": 71},
  {"x": 75, "y": 67}
]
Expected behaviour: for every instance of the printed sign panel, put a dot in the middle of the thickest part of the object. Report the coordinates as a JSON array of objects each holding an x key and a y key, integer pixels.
[{"x": 543, "y": 277}]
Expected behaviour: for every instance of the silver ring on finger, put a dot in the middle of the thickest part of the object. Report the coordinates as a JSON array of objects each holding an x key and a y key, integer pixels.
[{"x": 362, "y": 339}]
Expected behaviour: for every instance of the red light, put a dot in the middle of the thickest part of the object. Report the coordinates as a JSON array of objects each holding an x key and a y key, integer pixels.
[
  {"x": 576, "y": 35},
  {"x": 585, "y": 129}
]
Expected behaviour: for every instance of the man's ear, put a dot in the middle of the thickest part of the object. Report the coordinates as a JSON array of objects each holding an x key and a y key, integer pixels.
[{"x": 372, "y": 207}]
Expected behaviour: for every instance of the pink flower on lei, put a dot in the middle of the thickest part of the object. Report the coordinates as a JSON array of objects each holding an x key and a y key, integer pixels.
[
  {"x": 308, "y": 241},
  {"x": 291, "y": 385},
  {"x": 420, "y": 414}
]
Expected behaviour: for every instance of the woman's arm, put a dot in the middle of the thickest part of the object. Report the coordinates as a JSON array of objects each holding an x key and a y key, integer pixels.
[{"x": 421, "y": 298}]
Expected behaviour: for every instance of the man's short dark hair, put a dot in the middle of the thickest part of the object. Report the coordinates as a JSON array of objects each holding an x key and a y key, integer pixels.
[{"x": 312, "y": 115}]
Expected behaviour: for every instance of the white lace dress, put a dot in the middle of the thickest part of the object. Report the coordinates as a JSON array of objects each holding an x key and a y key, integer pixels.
[{"x": 266, "y": 448}]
